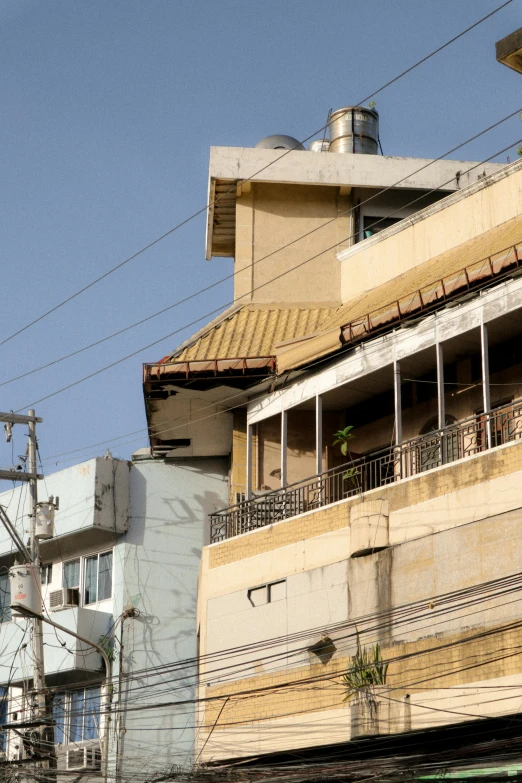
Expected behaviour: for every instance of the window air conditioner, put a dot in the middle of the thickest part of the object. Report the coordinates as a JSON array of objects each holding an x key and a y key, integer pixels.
[
  {"x": 84, "y": 758},
  {"x": 66, "y": 598}
]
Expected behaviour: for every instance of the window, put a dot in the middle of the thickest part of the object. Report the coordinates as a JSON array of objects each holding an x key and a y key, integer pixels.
[
  {"x": 71, "y": 573},
  {"x": 91, "y": 575},
  {"x": 98, "y": 578},
  {"x": 76, "y": 715},
  {"x": 5, "y": 598},
  {"x": 47, "y": 574},
  {"x": 267, "y": 594}
]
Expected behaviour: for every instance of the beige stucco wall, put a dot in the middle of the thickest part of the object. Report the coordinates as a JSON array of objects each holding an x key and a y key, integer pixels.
[
  {"x": 270, "y": 217},
  {"x": 454, "y": 527},
  {"x": 445, "y": 229}
]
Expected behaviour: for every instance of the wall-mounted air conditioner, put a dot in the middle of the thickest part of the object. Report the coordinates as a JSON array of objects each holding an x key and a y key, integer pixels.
[
  {"x": 65, "y": 598},
  {"x": 84, "y": 758}
]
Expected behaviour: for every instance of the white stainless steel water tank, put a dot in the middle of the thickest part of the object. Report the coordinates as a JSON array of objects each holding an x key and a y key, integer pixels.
[
  {"x": 279, "y": 142},
  {"x": 319, "y": 145},
  {"x": 354, "y": 129},
  {"x": 26, "y": 588}
]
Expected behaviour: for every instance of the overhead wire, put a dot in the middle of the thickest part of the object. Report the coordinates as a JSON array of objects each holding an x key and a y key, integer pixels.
[
  {"x": 247, "y": 179},
  {"x": 134, "y": 353},
  {"x": 234, "y": 274},
  {"x": 169, "y": 425}
]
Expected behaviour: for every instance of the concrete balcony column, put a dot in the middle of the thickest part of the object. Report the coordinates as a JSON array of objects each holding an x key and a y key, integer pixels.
[
  {"x": 284, "y": 441},
  {"x": 441, "y": 406},
  {"x": 397, "y": 402},
  {"x": 441, "y": 402},
  {"x": 248, "y": 489},
  {"x": 319, "y": 434},
  {"x": 486, "y": 397}
]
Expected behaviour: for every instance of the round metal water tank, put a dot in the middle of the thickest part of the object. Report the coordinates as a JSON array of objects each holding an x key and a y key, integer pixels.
[
  {"x": 319, "y": 145},
  {"x": 354, "y": 129},
  {"x": 26, "y": 588},
  {"x": 279, "y": 142}
]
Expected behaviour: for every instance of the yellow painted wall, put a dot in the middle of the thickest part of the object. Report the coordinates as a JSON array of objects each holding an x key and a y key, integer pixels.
[
  {"x": 432, "y": 236},
  {"x": 269, "y": 217}
]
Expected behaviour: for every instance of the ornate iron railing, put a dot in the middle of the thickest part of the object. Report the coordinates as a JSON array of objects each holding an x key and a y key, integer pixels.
[{"x": 377, "y": 469}]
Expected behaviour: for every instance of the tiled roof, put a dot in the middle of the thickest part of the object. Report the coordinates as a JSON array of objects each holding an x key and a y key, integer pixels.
[
  {"x": 493, "y": 241},
  {"x": 252, "y": 330},
  {"x": 381, "y": 302}
]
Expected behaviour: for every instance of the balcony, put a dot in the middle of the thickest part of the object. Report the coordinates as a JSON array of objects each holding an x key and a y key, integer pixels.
[
  {"x": 94, "y": 503},
  {"x": 460, "y": 440},
  {"x": 65, "y": 663}
]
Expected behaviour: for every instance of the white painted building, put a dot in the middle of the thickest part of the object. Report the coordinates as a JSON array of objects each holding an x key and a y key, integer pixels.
[{"x": 122, "y": 572}]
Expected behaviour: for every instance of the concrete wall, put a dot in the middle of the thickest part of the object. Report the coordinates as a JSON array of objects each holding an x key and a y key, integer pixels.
[
  {"x": 94, "y": 497},
  {"x": 458, "y": 526},
  {"x": 271, "y": 217},
  {"x": 372, "y": 171},
  {"x": 363, "y": 268},
  {"x": 189, "y": 412},
  {"x": 156, "y": 570}
]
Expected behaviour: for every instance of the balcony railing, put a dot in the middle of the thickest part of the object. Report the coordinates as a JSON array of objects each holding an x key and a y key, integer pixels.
[{"x": 377, "y": 469}]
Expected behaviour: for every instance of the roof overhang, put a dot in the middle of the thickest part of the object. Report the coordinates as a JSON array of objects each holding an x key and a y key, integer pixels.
[
  {"x": 509, "y": 50},
  {"x": 233, "y": 169},
  {"x": 207, "y": 368}
]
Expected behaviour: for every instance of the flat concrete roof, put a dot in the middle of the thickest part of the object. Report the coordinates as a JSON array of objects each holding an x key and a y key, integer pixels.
[
  {"x": 230, "y": 166},
  {"x": 336, "y": 168},
  {"x": 509, "y": 50}
]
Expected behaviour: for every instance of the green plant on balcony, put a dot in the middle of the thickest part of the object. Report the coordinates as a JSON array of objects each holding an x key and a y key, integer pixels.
[
  {"x": 366, "y": 670},
  {"x": 342, "y": 439}
]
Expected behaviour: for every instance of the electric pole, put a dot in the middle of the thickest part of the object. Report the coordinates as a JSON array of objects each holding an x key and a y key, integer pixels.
[{"x": 38, "y": 705}]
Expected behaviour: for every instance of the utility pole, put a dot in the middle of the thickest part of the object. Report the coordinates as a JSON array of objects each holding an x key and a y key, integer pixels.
[
  {"x": 39, "y": 741},
  {"x": 38, "y": 705}
]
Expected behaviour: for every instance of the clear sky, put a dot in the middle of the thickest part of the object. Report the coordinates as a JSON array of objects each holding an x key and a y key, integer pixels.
[{"x": 108, "y": 110}]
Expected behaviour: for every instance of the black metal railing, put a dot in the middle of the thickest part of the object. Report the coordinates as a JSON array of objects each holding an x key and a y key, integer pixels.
[{"x": 377, "y": 469}]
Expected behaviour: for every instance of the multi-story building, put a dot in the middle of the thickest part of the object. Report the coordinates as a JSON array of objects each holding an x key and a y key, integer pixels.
[
  {"x": 358, "y": 282},
  {"x": 411, "y": 538},
  {"x": 404, "y": 541},
  {"x": 121, "y": 572}
]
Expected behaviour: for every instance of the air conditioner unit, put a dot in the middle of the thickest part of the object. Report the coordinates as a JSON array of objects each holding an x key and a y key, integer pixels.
[
  {"x": 84, "y": 758},
  {"x": 65, "y": 598}
]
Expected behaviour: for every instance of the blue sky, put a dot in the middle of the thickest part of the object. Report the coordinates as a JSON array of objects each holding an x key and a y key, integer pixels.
[{"x": 108, "y": 110}]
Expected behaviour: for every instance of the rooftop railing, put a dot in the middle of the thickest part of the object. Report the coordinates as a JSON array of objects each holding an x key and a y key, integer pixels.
[{"x": 377, "y": 469}]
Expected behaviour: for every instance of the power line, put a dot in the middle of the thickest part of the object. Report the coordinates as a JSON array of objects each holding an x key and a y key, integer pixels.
[
  {"x": 216, "y": 310},
  {"x": 247, "y": 179},
  {"x": 168, "y": 424},
  {"x": 231, "y": 276}
]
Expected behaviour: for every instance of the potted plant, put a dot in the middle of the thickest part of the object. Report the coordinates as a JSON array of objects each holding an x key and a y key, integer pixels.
[
  {"x": 364, "y": 677},
  {"x": 342, "y": 439}
]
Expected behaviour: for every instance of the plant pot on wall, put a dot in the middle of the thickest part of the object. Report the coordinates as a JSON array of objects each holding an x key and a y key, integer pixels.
[{"x": 369, "y": 712}]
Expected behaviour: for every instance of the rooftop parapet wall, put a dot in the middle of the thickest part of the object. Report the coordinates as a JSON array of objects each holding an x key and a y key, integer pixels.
[
  {"x": 245, "y": 174},
  {"x": 331, "y": 168}
]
